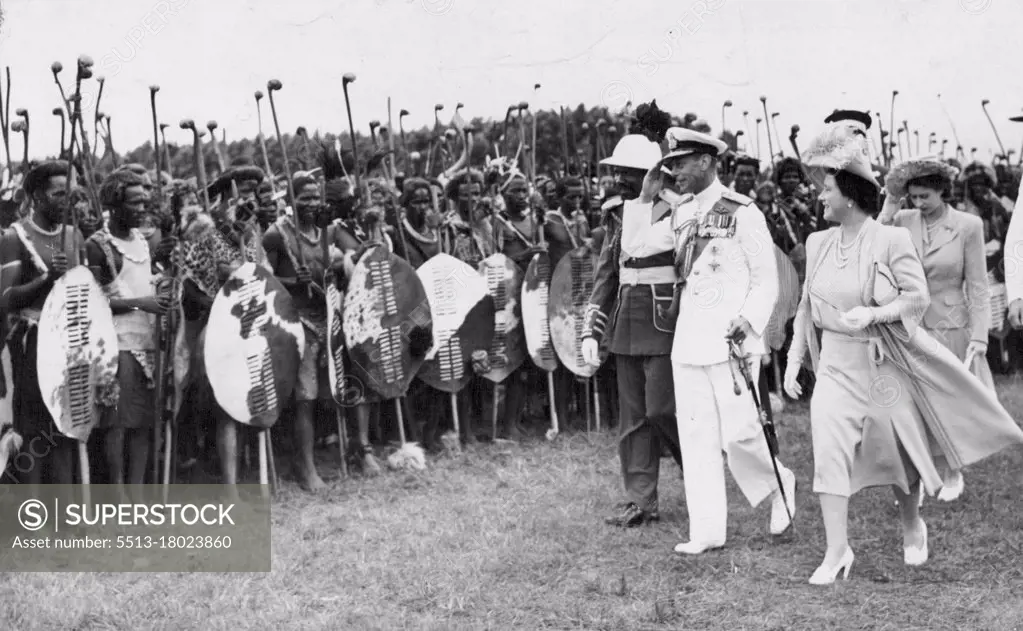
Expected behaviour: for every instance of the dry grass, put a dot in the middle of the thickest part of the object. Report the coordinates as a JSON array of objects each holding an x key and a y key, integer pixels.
[{"x": 511, "y": 537}]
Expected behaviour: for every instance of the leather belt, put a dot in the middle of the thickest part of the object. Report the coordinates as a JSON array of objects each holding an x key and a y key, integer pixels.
[{"x": 647, "y": 275}]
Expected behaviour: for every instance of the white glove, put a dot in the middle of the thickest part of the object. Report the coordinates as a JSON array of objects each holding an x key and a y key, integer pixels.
[
  {"x": 792, "y": 387},
  {"x": 991, "y": 247},
  {"x": 858, "y": 318},
  {"x": 977, "y": 349},
  {"x": 591, "y": 351},
  {"x": 1016, "y": 314}
]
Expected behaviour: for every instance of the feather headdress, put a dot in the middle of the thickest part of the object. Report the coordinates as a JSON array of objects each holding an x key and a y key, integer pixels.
[
  {"x": 651, "y": 121},
  {"x": 905, "y": 172},
  {"x": 839, "y": 148}
]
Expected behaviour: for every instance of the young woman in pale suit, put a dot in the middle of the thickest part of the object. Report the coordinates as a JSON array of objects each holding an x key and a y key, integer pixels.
[
  {"x": 881, "y": 379},
  {"x": 950, "y": 244}
]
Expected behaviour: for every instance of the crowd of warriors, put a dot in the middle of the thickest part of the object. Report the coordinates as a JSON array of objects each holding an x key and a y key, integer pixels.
[{"x": 469, "y": 214}]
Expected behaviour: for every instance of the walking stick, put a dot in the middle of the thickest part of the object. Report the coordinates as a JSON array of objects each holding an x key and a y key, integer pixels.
[{"x": 738, "y": 358}]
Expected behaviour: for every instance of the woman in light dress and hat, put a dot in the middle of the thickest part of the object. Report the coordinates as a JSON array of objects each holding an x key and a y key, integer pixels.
[
  {"x": 950, "y": 244},
  {"x": 891, "y": 404}
]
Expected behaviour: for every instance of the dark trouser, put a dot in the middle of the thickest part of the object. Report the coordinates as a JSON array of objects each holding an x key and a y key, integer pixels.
[{"x": 646, "y": 416}]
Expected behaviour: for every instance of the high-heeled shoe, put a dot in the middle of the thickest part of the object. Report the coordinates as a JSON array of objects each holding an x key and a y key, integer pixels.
[
  {"x": 952, "y": 488},
  {"x": 917, "y": 555},
  {"x": 827, "y": 575}
]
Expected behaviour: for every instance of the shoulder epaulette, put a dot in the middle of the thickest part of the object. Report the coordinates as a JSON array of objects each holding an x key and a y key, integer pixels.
[
  {"x": 738, "y": 198},
  {"x": 612, "y": 202}
]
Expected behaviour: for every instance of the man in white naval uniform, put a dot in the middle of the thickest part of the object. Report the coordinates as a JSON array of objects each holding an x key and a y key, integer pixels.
[{"x": 728, "y": 284}]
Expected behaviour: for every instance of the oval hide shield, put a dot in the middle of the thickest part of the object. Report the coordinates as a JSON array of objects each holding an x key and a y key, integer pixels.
[
  {"x": 504, "y": 284},
  {"x": 463, "y": 321},
  {"x": 77, "y": 351},
  {"x": 571, "y": 286},
  {"x": 335, "y": 337},
  {"x": 387, "y": 323},
  {"x": 253, "y": 347},
  {"x": 535, "y": 323}
]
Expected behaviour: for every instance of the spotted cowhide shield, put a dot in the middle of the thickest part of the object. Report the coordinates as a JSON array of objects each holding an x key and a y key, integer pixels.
[
  {"x": 253, "y": 347},
  {"x": 570, "y": 293},
  {"x": 77, "y": 353},
  {"x": 386, "y": 323},
  {"x": 535, "y": 301},
  {"x": 463, "y": 321},
  {"x": 504, "y": 284}
]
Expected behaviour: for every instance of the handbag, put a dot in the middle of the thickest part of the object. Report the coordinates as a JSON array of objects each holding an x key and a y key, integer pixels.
[{"x": 884, "y": 289}]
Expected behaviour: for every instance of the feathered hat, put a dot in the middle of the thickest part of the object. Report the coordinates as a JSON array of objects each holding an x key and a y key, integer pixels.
[
  {"x": 838, "y": 147},
  {"x": 651, "y": 121},
  {"x": 905, "y": 172}
]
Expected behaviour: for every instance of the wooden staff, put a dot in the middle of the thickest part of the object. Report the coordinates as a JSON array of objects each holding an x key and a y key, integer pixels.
[
  {"x": 84, "y": 72},
  {"x": 19, "y": 127},
  {"x": 983, "y": 105},
  {"x": 345, "y": 80},
  {"x": 262, "y": 142},
  {"x": 5, "y": 115},
  {"x": 564, "y": 139},
  {"x": 164, "y": 150},
  {"x": 110, "y": 142},
  {"x": 59, "y": 111},
  {"x": 770, "y": 143},
  {"x": 212, "y": 126},
  {"x": 153, "y": 89},
  {"x": 891, "y": 120},
  {"x": 404, "y": 145},
  {"x": 272, "y": 86},
  {"x": 536, "y": 152},
  {"x": 97, "y": 119}
]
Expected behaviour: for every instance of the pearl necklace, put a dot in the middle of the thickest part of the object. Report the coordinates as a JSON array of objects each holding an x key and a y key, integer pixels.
[
  {"x": 844, "y": 253},
  {"x": 934, "y": 226}
]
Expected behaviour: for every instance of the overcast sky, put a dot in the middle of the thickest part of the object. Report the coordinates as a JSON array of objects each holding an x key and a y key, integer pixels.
[{"x": 807, "y": 56}]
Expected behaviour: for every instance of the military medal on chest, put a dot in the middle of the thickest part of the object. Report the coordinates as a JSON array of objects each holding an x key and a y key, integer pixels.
[{"x": 714, "y": 264}]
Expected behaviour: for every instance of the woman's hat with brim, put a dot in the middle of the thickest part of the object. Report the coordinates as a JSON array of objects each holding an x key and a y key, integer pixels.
[
  {"x": 905, "y": 172},
  {"x": 841, "y": 149}
]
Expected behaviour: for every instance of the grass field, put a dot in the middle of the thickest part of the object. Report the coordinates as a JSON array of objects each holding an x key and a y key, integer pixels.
[{"x": 512, "y": 537}]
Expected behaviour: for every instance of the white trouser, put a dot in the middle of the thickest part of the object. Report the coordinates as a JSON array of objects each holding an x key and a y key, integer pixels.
[{"x": 712, "y": 419}]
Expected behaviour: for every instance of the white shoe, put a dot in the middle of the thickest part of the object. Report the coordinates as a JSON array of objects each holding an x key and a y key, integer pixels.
[
  {"x": 917, "y": 555},
  {"x": 780, "y": 521},
  {"x": 696, "y": 547},
  {"x": 827, "y": 575},
  {"x": 952, "y": 488}
]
